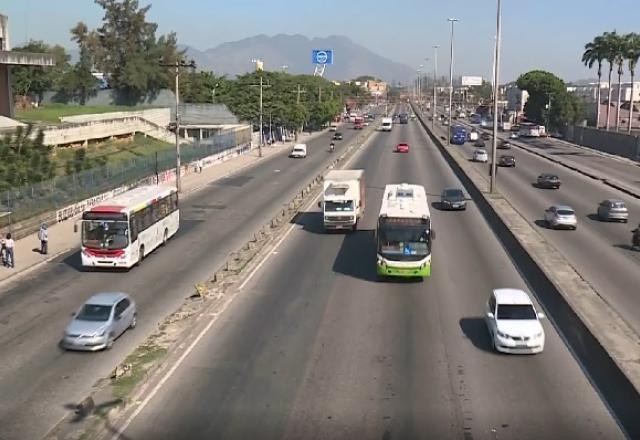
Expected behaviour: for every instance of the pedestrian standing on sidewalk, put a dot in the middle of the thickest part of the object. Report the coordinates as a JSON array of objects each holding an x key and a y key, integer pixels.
[
  {"x": 3, "y": 252},
  {"x": 9, "y": 244},
  {"x": 43, "y": 236}
]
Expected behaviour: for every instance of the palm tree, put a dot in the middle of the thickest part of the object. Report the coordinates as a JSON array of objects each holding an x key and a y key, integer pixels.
[
  {"x": 619, "y": 48},
  {"x": 633, "y": 55},
  {"x": 594, "y": 52},
  {"x": 608, "y": 39}
]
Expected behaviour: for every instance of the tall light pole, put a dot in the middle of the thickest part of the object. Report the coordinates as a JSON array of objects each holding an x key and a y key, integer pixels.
[
  {"x": 496, "y": 96},
  {"x": 435, "y": 80},
  {"x": 258, "y": 64},
  {"x": 177, "y": 65},
  {"x": 426, "y": 78},
  {"x": 452, "y": 21},
  {"x": 284, "y": 68},
  {"x": 418, "y": 85}
]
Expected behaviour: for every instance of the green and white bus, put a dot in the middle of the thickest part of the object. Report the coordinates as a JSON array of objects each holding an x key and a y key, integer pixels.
[{"x": 404, "y": 234}]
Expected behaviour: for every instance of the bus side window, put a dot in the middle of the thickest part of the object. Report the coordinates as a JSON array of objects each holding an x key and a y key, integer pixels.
[
  {"x": 133, "y": 227},
  {"x": 174, "y": 202}
]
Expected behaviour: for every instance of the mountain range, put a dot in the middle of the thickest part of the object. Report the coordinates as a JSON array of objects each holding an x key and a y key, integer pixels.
[{"x": 350, "y": 59}]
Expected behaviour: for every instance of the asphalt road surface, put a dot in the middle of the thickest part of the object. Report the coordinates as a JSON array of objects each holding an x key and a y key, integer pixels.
[
  {"x": 315, "y": 348},
  {"x": 38, "y": 381}
]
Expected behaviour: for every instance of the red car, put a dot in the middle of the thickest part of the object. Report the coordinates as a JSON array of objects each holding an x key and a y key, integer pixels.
[{"x": 402, "y": 148}]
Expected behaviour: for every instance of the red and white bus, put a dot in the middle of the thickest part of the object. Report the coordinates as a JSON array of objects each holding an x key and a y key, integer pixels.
[{"x": 121, "y": 231}]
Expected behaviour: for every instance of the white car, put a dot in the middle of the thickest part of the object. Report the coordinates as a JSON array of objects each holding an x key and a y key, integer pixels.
[
  {"x": 561, "y": 216},
  {"x": 333, "y": 128},
  {"x": 513, "y": 322},
  {"x": 299, "y": 151},
  {"x": 480, "y": 155}
]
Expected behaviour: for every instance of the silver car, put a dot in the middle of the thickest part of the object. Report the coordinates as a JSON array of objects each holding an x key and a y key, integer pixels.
[
  {"x": 613, "y": 209},
  {"x": 100, "y": 321},
  {"x": 561, "y": 216}
]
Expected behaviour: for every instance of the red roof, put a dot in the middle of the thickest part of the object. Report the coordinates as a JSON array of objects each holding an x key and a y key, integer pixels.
[{"x": 107, "y": 208}]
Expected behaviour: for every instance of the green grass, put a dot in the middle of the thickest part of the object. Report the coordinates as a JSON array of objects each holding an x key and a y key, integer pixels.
[
  {"x": 52, "y": 113},
  {"x": 141, "y": 360},
  {"x": 114, "y": 151}
]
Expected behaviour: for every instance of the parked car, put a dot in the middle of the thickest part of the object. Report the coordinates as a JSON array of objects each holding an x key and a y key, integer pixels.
[
  {"x": 337, "y": 136},
  {"x": 504, "y": 145},
  {"x": 613, "y": 209},
  {"x": 480, "y": 155},
  {"x": 100, "y": 321},
  {"x": 561, "y": 216},
  {"x": 506, "y": 161},
  {"x": 514, "y": 323},
  {"x": 299, "y": 151},
  {"x": 453, "y": 198},
  {"x": 402, "y": 148},
  {"x": 548, "y": 180}
]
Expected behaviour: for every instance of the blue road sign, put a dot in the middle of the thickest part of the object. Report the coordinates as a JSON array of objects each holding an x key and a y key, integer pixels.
[{"x": 322, "y": 56}]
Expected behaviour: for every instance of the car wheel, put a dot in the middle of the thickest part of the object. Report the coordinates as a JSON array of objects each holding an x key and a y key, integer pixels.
[
  {"x": 110, "y": 341},
  {"x": 165, "y": 237},
  {"x": 140, "y": 255},
  {"x": 492, "y": 342},
  {"x": 134, "y": 321}
]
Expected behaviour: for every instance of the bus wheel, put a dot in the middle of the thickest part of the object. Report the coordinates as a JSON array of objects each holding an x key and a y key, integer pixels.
[
  {"x": 141, "y": 255},
  {"x": 165, "y": 237}
]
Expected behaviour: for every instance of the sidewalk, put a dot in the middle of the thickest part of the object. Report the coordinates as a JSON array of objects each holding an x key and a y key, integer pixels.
[{"x": 62, "y": 238}]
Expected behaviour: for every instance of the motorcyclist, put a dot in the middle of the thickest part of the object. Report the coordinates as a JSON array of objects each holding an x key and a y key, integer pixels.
[{"x": 332, "y": 146}]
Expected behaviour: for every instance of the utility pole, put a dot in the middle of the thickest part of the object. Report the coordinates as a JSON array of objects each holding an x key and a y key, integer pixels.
[
  {"x": 262, "y": 86},
  {"x": 320, "y": 94},
  {"x": 496, "y": 96},
  {"x": 177, "y": 65},
  {"x": 435, "y": 88},
  {"x": 452, "y": 21}
]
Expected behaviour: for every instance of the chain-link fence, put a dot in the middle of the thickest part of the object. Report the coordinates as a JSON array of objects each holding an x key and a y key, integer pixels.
[{"x": 28, "y": 201}]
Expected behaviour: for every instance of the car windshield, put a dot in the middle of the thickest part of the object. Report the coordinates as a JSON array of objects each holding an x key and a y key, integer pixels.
[
  {"x": 516, "y": 311},
  {"x": 453, "y": 194},
  {"x": 549, "y": 177},
  {"x": 565, "y": 212},
  {"x": 341, "y": 206},
  {"x": 404, "y": 243},
  {"x": 99, "y": 234},
  {"x": 94, "y": 312}
]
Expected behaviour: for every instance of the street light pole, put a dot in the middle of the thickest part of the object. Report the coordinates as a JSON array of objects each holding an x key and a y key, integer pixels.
[
  {"x": 496, "y": 96},
  {"x": 435, "y": 80},
  {"x": 177, "y": 65},
  {"x": 452, "y": 21}
]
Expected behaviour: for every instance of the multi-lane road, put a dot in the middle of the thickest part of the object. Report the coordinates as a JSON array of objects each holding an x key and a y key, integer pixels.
[
  {"x": 38, "y": 378},
  {"x": 600, "y": 251},
  {"x": 315, "y": 348}
]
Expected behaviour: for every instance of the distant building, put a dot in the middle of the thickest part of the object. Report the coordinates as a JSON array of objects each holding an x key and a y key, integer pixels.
[
  {"x": 8, "y": 59},
  {"x": 376, "y": 87}
]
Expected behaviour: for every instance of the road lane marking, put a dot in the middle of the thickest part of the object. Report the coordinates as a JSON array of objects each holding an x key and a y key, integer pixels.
[{"x": 120, "y": 431}]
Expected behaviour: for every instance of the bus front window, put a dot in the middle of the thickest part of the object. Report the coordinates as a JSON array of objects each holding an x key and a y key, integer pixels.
[
  {"x": 404, "y": 243},
  {"x": 109, "y": 235}
]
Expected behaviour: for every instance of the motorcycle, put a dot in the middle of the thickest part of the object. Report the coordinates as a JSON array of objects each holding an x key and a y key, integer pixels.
[{"x": 331, "y": 147}]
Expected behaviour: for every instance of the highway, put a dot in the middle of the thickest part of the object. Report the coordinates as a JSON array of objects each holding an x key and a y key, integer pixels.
[
  {"x": 315, "y": 348},
  {"x": 36, "y": 377},
  {"x": 600, "y": 251}
]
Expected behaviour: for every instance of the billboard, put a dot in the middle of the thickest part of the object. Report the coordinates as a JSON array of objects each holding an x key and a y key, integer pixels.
[
  {"x": 471, "y": 80},
  {"x": 322, "y": 56}
]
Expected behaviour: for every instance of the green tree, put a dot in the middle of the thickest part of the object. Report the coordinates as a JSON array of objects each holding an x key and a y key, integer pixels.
[
  {"x": 25, "y": 159},
  {"x": 79, "y": 82},
  {"x": 633, "y": 55},
  {"x": 35, "y": 80},
  {"x": 594, "y": 54},
  {"x": 200, "y": 87},
  {"x": 129, "y": 50},
  {"x": 544, "y": 88}
]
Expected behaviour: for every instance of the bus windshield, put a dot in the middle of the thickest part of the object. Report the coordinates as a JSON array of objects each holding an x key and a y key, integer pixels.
[
  {"x": 404, "y": 243},
  {"x": 100, "y": 234}
]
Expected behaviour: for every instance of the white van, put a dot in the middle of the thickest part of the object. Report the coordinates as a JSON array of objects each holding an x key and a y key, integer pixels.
[
  {"x": 299, "y": 150},
  {"x": 386, "y": 125}
]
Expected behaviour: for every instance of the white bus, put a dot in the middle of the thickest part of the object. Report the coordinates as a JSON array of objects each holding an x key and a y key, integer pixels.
[
  {"x": 404, "y": 233},
  {"x": 529, "y": 129},
  {"x": 121, "y": 231}
]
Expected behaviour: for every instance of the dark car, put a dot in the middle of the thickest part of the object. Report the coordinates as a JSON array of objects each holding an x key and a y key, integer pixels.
[
  {"x": 486, "y": 136},
  {"x": 548, "y": 180},
  {"x": 479, "y": 144},
  {"x": 506, "y": 161},
  {"x": 453, "y": 198},
  {"x": 504, "y": 145},
  {"x": 337, "y": 136}
]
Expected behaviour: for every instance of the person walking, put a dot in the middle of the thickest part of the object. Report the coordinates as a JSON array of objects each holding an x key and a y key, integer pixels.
[
  {"x": 9, "y": 244},
  {"x": 3, "y": 252},
  {"x": 43, "y": 236}
]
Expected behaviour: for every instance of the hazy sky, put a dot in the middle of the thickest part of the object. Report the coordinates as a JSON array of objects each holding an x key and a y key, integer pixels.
[{"x": 546, "y": 34}]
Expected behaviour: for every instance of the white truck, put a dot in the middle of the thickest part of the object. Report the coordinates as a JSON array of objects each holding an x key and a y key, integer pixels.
[
  {"x": 343, "y": 199},
  {"x": 386, "y": 124}
]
